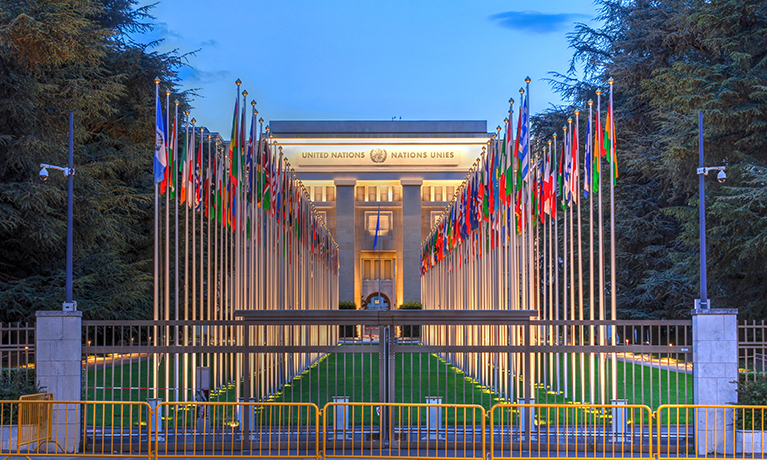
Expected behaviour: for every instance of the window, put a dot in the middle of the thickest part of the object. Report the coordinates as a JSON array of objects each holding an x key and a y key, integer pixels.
[{"x": 371, "y": 219}]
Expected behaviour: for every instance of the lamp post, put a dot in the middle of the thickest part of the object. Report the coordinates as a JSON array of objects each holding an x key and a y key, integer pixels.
[
  {"x": 703, "y": 171},
  {"x": 69, "y": 304}
]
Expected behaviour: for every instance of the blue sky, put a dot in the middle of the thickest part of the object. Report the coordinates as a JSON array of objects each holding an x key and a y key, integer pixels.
[{"x": 365, "y": 60}]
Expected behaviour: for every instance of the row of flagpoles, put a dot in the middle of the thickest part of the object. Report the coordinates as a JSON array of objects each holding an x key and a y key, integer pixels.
[
  {"x": 250, "y": 240},
  {"x": 512, "y": 238}
]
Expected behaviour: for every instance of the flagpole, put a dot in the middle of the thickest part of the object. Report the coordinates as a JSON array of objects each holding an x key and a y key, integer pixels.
[
  {"x": 156, "y": 241},
  {"x": 554, "y": 204},
  {"x": 592, "y": 339},
  {"x": 602, "y": 376},
  {"x": 613, "y": 282}
]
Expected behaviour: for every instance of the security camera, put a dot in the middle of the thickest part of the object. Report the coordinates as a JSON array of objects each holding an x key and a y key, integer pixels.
[
  {"x": 43, "y": 174},
  {"x": 721, "y": 177}
]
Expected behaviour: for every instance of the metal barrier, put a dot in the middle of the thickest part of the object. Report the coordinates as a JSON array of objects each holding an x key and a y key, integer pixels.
[
  {"x": 246, "y": 429},
  {"x": 690, "y": 431},
  {"x": 38, "y": 426},
  {"x": 392, "y": 430},
  {"x": 570, "y": 430}
]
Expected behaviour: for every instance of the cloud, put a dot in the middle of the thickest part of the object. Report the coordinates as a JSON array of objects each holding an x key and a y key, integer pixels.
[
  {"x": 195, "y": 76},
  {"x": 535, "y": 22},
  {"x": 212, "y": 43}
]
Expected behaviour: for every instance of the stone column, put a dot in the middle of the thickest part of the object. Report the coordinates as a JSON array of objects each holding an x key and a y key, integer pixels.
[
  {"x": 58, "y": 366},
  {"x": 411, "y": 239},
  {"x": 715, "y": 373},
  {"x": 344, "y": 236}
]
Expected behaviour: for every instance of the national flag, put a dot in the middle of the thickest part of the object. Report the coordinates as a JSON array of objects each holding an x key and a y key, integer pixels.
[
  {"x": 598, "y": 152},
  {"x": 198, "y": 176},
  {"x": 509, "y": 172},
  {"x": 502, "y": 165},
  {"x": 234, "y": 149},
  {"x": 524, "y": 139},
  {"x": 587, "y": 161},
  {"x": 574, "y": 166},
  {"x": 378, "y": 227},
  {"x": 266, "y": 176},
  {"x": 610, "y": 140},
  {"x": 160, "y": 152},
  {"x": 184, "y": 169},
  {"x": 188, "y": 180},
  {"x": 208, "y": 185},
  {"x": 547, "y": 186},
  {"x": 172, "y": 168}
]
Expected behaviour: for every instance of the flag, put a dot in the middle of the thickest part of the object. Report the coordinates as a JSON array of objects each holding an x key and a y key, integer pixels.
[
  {"x": 198, "y": 176},
  {"x": 160, "y": 153},
  {"x": 378, "y": 227},
  {"x": 587, "y": 166},
  {"x": 234, "y": 149},
  {"x": 574, "y": 166},
  {"x": 598, "y": 152},
  {"x": 183, "y": 169},
  {"x": 524, "y": 140},
  {"x": 172, "y": 152},
  {"x": 610, "y": 139},
  {"x": 266, "y": 177},
  {"x": 547, "y": 186}
]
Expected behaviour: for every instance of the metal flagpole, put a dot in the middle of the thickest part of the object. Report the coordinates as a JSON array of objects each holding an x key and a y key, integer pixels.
[
  {"x": 592, "y": 338},
  {"x": 602, "y": 376},
  {"x": 576, "y": 191},
  {"x": 557, "y": 329},
  {"x": 193, "y": 202},
  {"x": 613, "y": 282},
  {"x": 175, "y": 254},
  {"x": 156, "y": 311}
]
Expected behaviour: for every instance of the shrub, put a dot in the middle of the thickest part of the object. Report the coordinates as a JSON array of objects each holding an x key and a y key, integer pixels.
[
  {"x": 411, "y": 330},
  {"x": 348, "y": 331},
  {"x": 752, "y": 391}
]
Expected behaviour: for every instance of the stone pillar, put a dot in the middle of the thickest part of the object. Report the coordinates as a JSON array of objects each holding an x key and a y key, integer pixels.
[
  {"x": 344, "y": 236},
  {"x": 715, "y": 373},
  {"x": 58, "y": 366},
  {"x": 411, "y": 239}
]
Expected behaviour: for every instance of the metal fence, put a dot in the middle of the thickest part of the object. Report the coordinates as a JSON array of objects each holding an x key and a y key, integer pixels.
[
  {"x": 752, "y": 348},
  {"x": 46, "y": 428}
]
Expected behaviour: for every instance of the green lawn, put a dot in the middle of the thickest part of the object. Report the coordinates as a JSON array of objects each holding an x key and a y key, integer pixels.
[{"x": 416, "y": 376}]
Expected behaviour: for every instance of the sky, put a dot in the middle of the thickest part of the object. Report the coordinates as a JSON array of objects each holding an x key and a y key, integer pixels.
[{"x": 367, "y": 60}]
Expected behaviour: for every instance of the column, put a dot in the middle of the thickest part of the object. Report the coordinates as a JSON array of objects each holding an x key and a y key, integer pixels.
[
  {"x": 344, "y": 236},
  {"x": 58, "y": 366},
  {"x": 411, "y": 239},
  {"x": 715, "y": 371}
]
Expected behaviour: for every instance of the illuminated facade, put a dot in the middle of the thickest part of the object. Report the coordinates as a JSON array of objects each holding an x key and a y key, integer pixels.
[{"x": 407, "y": 169}]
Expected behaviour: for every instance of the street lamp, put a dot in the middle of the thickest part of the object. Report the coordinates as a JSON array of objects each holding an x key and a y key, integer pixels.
[
  {"x": 69, "y": 304},
  {"x": 721, "y": 177}
]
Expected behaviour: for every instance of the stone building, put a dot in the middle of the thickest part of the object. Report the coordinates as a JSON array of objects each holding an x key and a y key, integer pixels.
[{"x": 394, "y": 175}]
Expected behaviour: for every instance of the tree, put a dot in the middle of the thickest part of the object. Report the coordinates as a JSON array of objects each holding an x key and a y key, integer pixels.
[
  {"x": 58, "y": 56},
  {"x": 671, "y": 60}
]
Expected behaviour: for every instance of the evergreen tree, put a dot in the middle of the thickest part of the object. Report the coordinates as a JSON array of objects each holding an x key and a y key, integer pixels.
[
  {"x": 58, "y": 56},
  {"x": 671, "y": 60}
]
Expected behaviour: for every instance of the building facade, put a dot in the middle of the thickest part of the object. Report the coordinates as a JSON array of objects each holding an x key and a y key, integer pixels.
[{"x": 380, "y": 186}]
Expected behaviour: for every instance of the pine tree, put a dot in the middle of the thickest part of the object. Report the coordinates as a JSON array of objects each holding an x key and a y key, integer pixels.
[
  {"x": 58, "y": 56},
  {"x": 671, "y": 60}
]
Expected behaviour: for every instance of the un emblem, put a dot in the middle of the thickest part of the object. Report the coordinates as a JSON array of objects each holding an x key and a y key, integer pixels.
[{"x": 378, "y": 155}]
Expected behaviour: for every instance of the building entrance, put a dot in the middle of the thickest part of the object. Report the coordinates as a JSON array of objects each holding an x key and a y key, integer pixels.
[{"x": 374, "y": 270}]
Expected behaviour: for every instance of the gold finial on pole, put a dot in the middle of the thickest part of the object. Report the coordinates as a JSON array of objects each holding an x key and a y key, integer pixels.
[
  {"x": 176, "y": 102},
  {"x": 238, "y": 82},
  {"x": 611, "y": 81},
  {"x": 599, "y": 92},
  {"x": 245, "y": 93},
  {"x": 156, "y": 80},
  {"x": 591, "y": 102},
  {"x": 528, "y": 80}
]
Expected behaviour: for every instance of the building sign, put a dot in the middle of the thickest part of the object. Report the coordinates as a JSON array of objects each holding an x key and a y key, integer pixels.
[{"x": 387, "y": 156}]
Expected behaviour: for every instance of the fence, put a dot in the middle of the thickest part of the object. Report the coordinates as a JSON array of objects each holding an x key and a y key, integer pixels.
[
  {"x": 752, "y": 348},
  {"x": 380, "y": 430}
]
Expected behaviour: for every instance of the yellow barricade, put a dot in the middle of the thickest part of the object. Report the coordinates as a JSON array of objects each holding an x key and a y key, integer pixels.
[
  {"x": 229, "y": 429},
  {"x": 715, "y": 431},
  {"x": 36, "y": 425},
  {"x": 392, "y": 430},
  {"x": 570, "y": 430}
]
